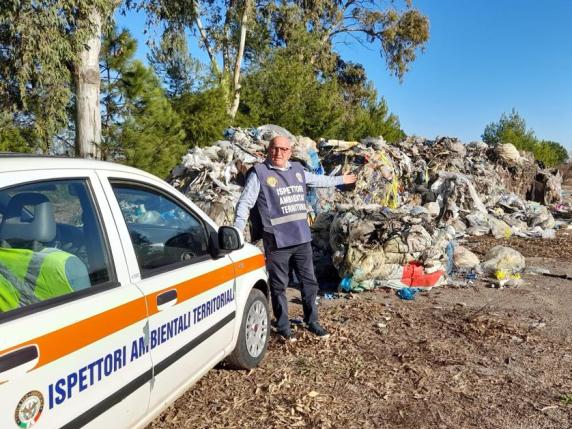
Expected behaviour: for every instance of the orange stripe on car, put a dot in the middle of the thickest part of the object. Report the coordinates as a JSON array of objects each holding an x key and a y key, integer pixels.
[
  {"x": 250, "y": 264},
  {"x": 68, "y": 339},
  {"x": 191, "y": 288}
]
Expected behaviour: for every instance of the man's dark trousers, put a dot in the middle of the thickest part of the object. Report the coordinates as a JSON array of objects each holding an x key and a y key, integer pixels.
[{"x": 278, "y": 264}]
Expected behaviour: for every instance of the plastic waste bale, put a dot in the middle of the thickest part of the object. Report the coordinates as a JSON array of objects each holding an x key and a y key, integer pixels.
[
  {"x": 418, "y": 239},
  {"x": 432, "y": 208},
  {"x": 458, "y": 188},
  {"x": 242, "y": 136},
  {"x": 515, "y": 221},
  {"x": 456, "y": 147},
  {"x": 459, "y": 227},
  {"x": 515, "y": 178},
  {"x": 210, "y": 175},
  {"x": 504, "y": 266},
  {"x": 525, "y": 218},
  {"x": 377, "y": 173},
  {"x": 197, "y": 158},
  {"x": 478, "y": 223},
  {"x": 552, "y": 188},
  {"x": 337, "y": 145},
  {"x": 430, "y": 157},
  {"x": 499, "y": 228},
  {"x": 464, "y": 259},
  {"x": 269, "y": 131},
  {"x": 377, "y": 143},
  {"x": 539, "y": 215},
  {"x": 376, "y": 247},
  {"x": 511, "y": 203},
  {"x": 395, "y": 245},
  {"x": 248, "y": 141},
  {"x": 508, "y": 153},
  {"x": 304, "y": 148},
  {"x": 503, "y": 258}
]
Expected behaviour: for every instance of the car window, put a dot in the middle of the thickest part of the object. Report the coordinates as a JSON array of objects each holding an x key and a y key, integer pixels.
[
  {"x": 162, "y": 231},
  {"x": 51, "y": 242}
]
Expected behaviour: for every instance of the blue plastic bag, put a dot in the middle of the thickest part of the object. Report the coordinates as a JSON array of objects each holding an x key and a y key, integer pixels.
[
  {"x": 346, "y": 283},
  {"x": 408, "y": 293}
]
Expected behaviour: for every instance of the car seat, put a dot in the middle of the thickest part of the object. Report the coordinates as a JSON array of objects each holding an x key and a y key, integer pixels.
[
  {"x": 37, "y": 272},
  {"x": 29, "y": 221}
]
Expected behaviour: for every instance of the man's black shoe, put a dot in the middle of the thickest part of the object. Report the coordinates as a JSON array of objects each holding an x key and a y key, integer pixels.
[
  {"x": 287, "y": 336},
  {"x": 317, "y": 330}
]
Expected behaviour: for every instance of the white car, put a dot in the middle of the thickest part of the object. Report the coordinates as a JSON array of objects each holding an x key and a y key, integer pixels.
[{"x": 116, "y": 294}]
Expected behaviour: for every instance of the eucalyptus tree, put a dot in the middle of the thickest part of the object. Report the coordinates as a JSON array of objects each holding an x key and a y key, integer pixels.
[
  {"x": 232, "y": 31},
  {"x": 44, "y": 66}
]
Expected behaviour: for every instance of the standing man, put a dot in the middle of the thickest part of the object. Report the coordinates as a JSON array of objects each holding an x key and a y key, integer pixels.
[{"x": 278, "y": 188}]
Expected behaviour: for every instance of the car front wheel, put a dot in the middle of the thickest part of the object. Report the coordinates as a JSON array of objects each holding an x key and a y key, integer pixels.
[{"x": 253, "y": 336}]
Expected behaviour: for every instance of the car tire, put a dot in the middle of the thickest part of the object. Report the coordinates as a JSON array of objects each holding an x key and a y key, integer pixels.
[{"x": 254, "y": 333}]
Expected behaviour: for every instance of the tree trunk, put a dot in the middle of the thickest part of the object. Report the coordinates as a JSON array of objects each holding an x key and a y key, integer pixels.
[
  {"x": 87, "y": 86},
  {"x": 237, "y": 66}
]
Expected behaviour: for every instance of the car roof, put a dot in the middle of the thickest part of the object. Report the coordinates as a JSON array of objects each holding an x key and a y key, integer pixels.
[{"x": 25, "y": 162}]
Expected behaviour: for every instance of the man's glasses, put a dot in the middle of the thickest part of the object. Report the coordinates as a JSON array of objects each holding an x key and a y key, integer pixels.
[{"x": 278, "y": 149}]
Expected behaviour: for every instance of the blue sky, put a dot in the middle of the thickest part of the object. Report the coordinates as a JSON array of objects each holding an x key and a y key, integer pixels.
[{"x": 483, "y": 58}]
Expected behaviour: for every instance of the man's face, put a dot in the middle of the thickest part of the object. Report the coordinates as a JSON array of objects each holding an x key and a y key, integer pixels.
[{"x": 279, "y": 152}]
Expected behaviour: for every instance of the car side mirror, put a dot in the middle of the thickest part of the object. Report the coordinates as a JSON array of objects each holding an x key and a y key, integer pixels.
[{"x": 228, "y": 239}]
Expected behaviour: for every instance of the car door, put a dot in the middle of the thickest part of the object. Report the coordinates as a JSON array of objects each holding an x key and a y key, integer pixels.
[
  {"x": 190, "y": 295},
  {"x": 73, "y": 357}
]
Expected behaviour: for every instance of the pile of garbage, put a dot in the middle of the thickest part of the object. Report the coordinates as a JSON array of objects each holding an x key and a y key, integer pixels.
[{"x": 399, "y": 225}]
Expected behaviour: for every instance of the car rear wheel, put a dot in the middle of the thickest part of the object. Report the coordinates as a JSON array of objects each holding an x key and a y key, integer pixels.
[{"x": 254, "y": 331}]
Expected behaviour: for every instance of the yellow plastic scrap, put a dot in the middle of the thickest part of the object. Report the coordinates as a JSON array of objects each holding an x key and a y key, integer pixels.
[
  {"x": 383, "y": 158},
  {"x": 391, "y": 198},
  {"x": 393, "y": 195},
  {"x": 500, "y": 274}
]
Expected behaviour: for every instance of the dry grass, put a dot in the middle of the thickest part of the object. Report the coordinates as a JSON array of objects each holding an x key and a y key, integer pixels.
[{"x": 453, "y": 358}]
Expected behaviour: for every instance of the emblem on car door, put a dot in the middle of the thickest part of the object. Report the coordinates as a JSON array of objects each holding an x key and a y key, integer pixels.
[{"x": 29, "y": 409}]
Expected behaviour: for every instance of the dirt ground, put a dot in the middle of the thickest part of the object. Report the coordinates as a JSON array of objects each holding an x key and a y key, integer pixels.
[
  {"x": 454, "y": 357},
  {"x": 463, "y": 357}
]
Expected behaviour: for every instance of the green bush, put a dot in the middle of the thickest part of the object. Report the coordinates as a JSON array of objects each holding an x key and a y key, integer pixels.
[{"x": 512, "y": 129}]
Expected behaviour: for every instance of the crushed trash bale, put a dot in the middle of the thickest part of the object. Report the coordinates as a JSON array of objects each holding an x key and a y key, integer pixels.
[
  {"x": 374, "y": 246},
  {"x": 464, "y": 259},
  {"x": 504, "y": 266}
]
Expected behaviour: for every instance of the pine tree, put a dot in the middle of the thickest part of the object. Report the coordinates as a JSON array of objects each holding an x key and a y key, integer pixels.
[
  {"x": 13, "y": 138},
  {"x": 204, "y": 114},
  {"x": 139, "y": 125},
  {"x": 152, "y": 135},
  {"x": 512, "y": 129},
  {"x": 172, "y": 62},
  {"x": 308, "y": 100},
  {"x": 287, "y": 92},
  {"x": 116, "y": 57}
]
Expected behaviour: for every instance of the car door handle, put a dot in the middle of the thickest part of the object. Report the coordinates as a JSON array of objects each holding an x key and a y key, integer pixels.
[
  {"x": 18, "y": 362},
  {"x": 167, "y": 299}
]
